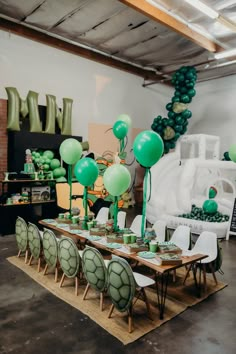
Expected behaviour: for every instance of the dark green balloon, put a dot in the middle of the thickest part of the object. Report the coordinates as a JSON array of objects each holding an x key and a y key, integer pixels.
[
  {"x": 176, "y": 99},
  {"x": 185, "y": 99},
  {"x": 210, "y": 206},
  {"x": 191, "y": 92},
  {"x": 171, "y": 114},
  {"x": 186, "y": 114}
]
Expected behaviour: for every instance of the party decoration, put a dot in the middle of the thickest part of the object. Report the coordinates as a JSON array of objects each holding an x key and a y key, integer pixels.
[
  {"x": 232, "y": 152},
  {"x": 210, "y": 206},
  {"x": 86, "y": 171},
  {"x": 116, "y": 179},
  {"x": 19, "y": 107},
  {"x": 148, "y": 148},
  {"x": 125, "y": 118},
  {"x": 212, "y": 192},
  {"x": 54, "y": 163},
  {"x": 198, "y": 213},
  {"x": 48, "y": 154},
  {"x": 226, "y": 156},
  {"x": 171, "y": 128},
  {"x": 120, "y": 129},
  {"x": 70, "y": 151}
]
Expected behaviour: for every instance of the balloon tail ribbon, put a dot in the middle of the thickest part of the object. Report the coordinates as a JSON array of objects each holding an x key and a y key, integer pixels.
[
  {"x": 70, "y": 185},
  {"x": 85, "y": 205},
  {"x": 150, "y": 184},
  {"x": 144, "y": 203},
  {"x": 115, "y": 213},
  {"x": 121, "y": 145}
]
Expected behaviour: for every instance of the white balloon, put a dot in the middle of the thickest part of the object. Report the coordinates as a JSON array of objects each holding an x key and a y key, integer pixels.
[{"x": 125, "y": 118}]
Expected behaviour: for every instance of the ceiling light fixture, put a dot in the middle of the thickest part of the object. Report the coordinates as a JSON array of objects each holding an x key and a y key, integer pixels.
[
  {"x": 225, "y": 54},
  {"x": 203, "y": 8}
]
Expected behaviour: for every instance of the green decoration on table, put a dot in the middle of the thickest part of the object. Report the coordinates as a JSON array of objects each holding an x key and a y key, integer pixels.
[
  {"x": 178, "y": 114},
  {"x": 148, "y": 148},
  {"x": 70, "y": 151}
]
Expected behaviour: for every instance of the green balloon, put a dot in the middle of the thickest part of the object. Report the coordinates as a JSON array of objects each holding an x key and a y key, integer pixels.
[
  {"x": 212, "y": 192},
  {"x": 148, "y": 148},
  {"x": 186, "y": 114},
  {"x": 120, "y": 129},
  {"x": 70, "y": 151},
  {"x": 210, "y": 206},
  {"x": 169, "y": 106},
  {"x": 191, "y": 92},
  {"x": 117, "y": 179},
  {"x": 57, "y": 172},
  {"x": 55, "y": 163},
  {"x": 48, "y": 154},
  {"x": 185, "y": 99},
  {"x": 46, "y": 167},
  {"x": 86, "y": 171},
  {"x": 232, "y": 152},
  {"x": 125, "y": 118}
]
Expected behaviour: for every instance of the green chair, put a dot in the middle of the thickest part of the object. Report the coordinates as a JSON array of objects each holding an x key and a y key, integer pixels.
[
  {"x": 50, "y": 250},
  {"x": 70, "y": 260},
  {"x": 35, "y": 244},
  {"x": 95, "y": 272},
  {"x": 124, "y": 285},
  {"x": 21, "y": 231}
]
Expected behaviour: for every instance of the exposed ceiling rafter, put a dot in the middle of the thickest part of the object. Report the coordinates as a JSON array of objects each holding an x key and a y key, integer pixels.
[{"x": 167, "y": 20}]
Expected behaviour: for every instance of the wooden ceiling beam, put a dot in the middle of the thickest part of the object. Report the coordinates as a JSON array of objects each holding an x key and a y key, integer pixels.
[
  {"x": 169, "y": 21},
  {"x": 38, "y": 36}
]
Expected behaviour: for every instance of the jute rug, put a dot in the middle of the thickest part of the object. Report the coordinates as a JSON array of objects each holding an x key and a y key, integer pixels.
[{"x": 179, "y": 298}]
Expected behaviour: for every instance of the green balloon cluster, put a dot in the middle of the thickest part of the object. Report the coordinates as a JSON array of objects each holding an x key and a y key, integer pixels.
[
  {"x": 199, "y": 214},
  {"x": 45, "y": 162},
  {"x": 171, "y": 128}
]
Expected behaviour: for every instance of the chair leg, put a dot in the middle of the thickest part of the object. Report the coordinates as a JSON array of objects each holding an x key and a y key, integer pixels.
[
  {"x": 26, "y": 256},
  {"x": 19, "y": 253},
  {"x": 56, "y": 274},
  {"x": 76, "y": 285},
  {"x": 62, "y": 280},
  {"x": 101, "y": 300},
  {"x": 39, "y": 264},
  {"x": 45, "y": 269},
  {"x": 204, "y": 277},
  {"x": 30, "y": 260},
  {"x": 130, "y": 322},
  {"x": 86, "y": 291},
  {"x": 111, "y": 310},
  {"x": 213, "y": 273},
  {"x": 174, "y": 276},
  {"x": 147, "y": 303}
]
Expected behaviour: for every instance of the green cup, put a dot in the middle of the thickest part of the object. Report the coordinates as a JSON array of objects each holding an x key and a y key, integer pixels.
[
  {"x": 126, "y": 239},
  {"x": 153, "y": 247},
  {"x": 89, "y": 224},
  {"x": 61, "y": 216},
  {"x": 133, "y": 238},
  {"x": 67, "y": 216},
  {"x": 74, "y": 219}
]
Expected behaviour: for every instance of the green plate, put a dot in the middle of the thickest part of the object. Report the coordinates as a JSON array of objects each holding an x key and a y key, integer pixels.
[
  {"x": 94, "y": 238},
  {"x": 113, "y": 245},
  {"x": 146, "y": 254},
  {"x": 50, "y": 221}
]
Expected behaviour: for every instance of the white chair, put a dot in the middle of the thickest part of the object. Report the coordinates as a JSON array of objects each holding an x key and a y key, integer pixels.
[
  {"x": 205, "y": 244},
  {"x": 103, "y": 215},
  {"x": 160, "y": 230},
  {"x": 121, "y": 217},
  {"x": 181, "y": 237},
  {"x": 136, "y": 225}
]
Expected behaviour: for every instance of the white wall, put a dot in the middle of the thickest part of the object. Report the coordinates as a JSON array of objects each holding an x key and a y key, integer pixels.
[
  {"x": 214, "y": 110},
  {"x": 100, "y": 93}
]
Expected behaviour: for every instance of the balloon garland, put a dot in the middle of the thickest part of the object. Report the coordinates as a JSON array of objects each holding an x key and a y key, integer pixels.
[{"x": 171, "y": 128}]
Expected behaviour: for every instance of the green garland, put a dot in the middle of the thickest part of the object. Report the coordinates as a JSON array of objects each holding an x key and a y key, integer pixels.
[{"x": 171, "y": 128}]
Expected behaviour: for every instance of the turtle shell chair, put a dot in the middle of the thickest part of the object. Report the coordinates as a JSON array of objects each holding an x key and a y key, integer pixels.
[
  {"x": 35, "y": 244},
  {"x": 70, "y": 261},
  {"x": 21, "y": 230},
  {"x": 124, "y": 285},
  {"x": 95, "y": 272},
  {"x": 50, "y": 251},
  {"x": 205, "y": 244}
]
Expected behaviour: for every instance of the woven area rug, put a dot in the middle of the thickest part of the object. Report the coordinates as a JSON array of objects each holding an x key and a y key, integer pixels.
[{"x": 179, "y": 298}]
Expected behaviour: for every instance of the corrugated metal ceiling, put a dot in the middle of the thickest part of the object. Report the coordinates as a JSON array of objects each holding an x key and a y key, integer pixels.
[{"x": 114, "y": 29}]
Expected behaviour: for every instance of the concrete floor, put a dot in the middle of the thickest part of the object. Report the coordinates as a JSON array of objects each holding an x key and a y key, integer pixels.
[{"x": 32, "y": 320}]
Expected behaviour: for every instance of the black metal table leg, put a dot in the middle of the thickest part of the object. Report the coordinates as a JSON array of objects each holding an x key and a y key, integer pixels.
[{"x": 161, "y": 292}]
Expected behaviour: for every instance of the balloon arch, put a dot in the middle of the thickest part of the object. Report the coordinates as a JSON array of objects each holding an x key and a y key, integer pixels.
[{"x": 171, "y": 128}]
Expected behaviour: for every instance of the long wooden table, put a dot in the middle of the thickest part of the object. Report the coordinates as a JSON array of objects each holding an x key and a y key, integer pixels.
[{"x": 162, "y": 271}]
